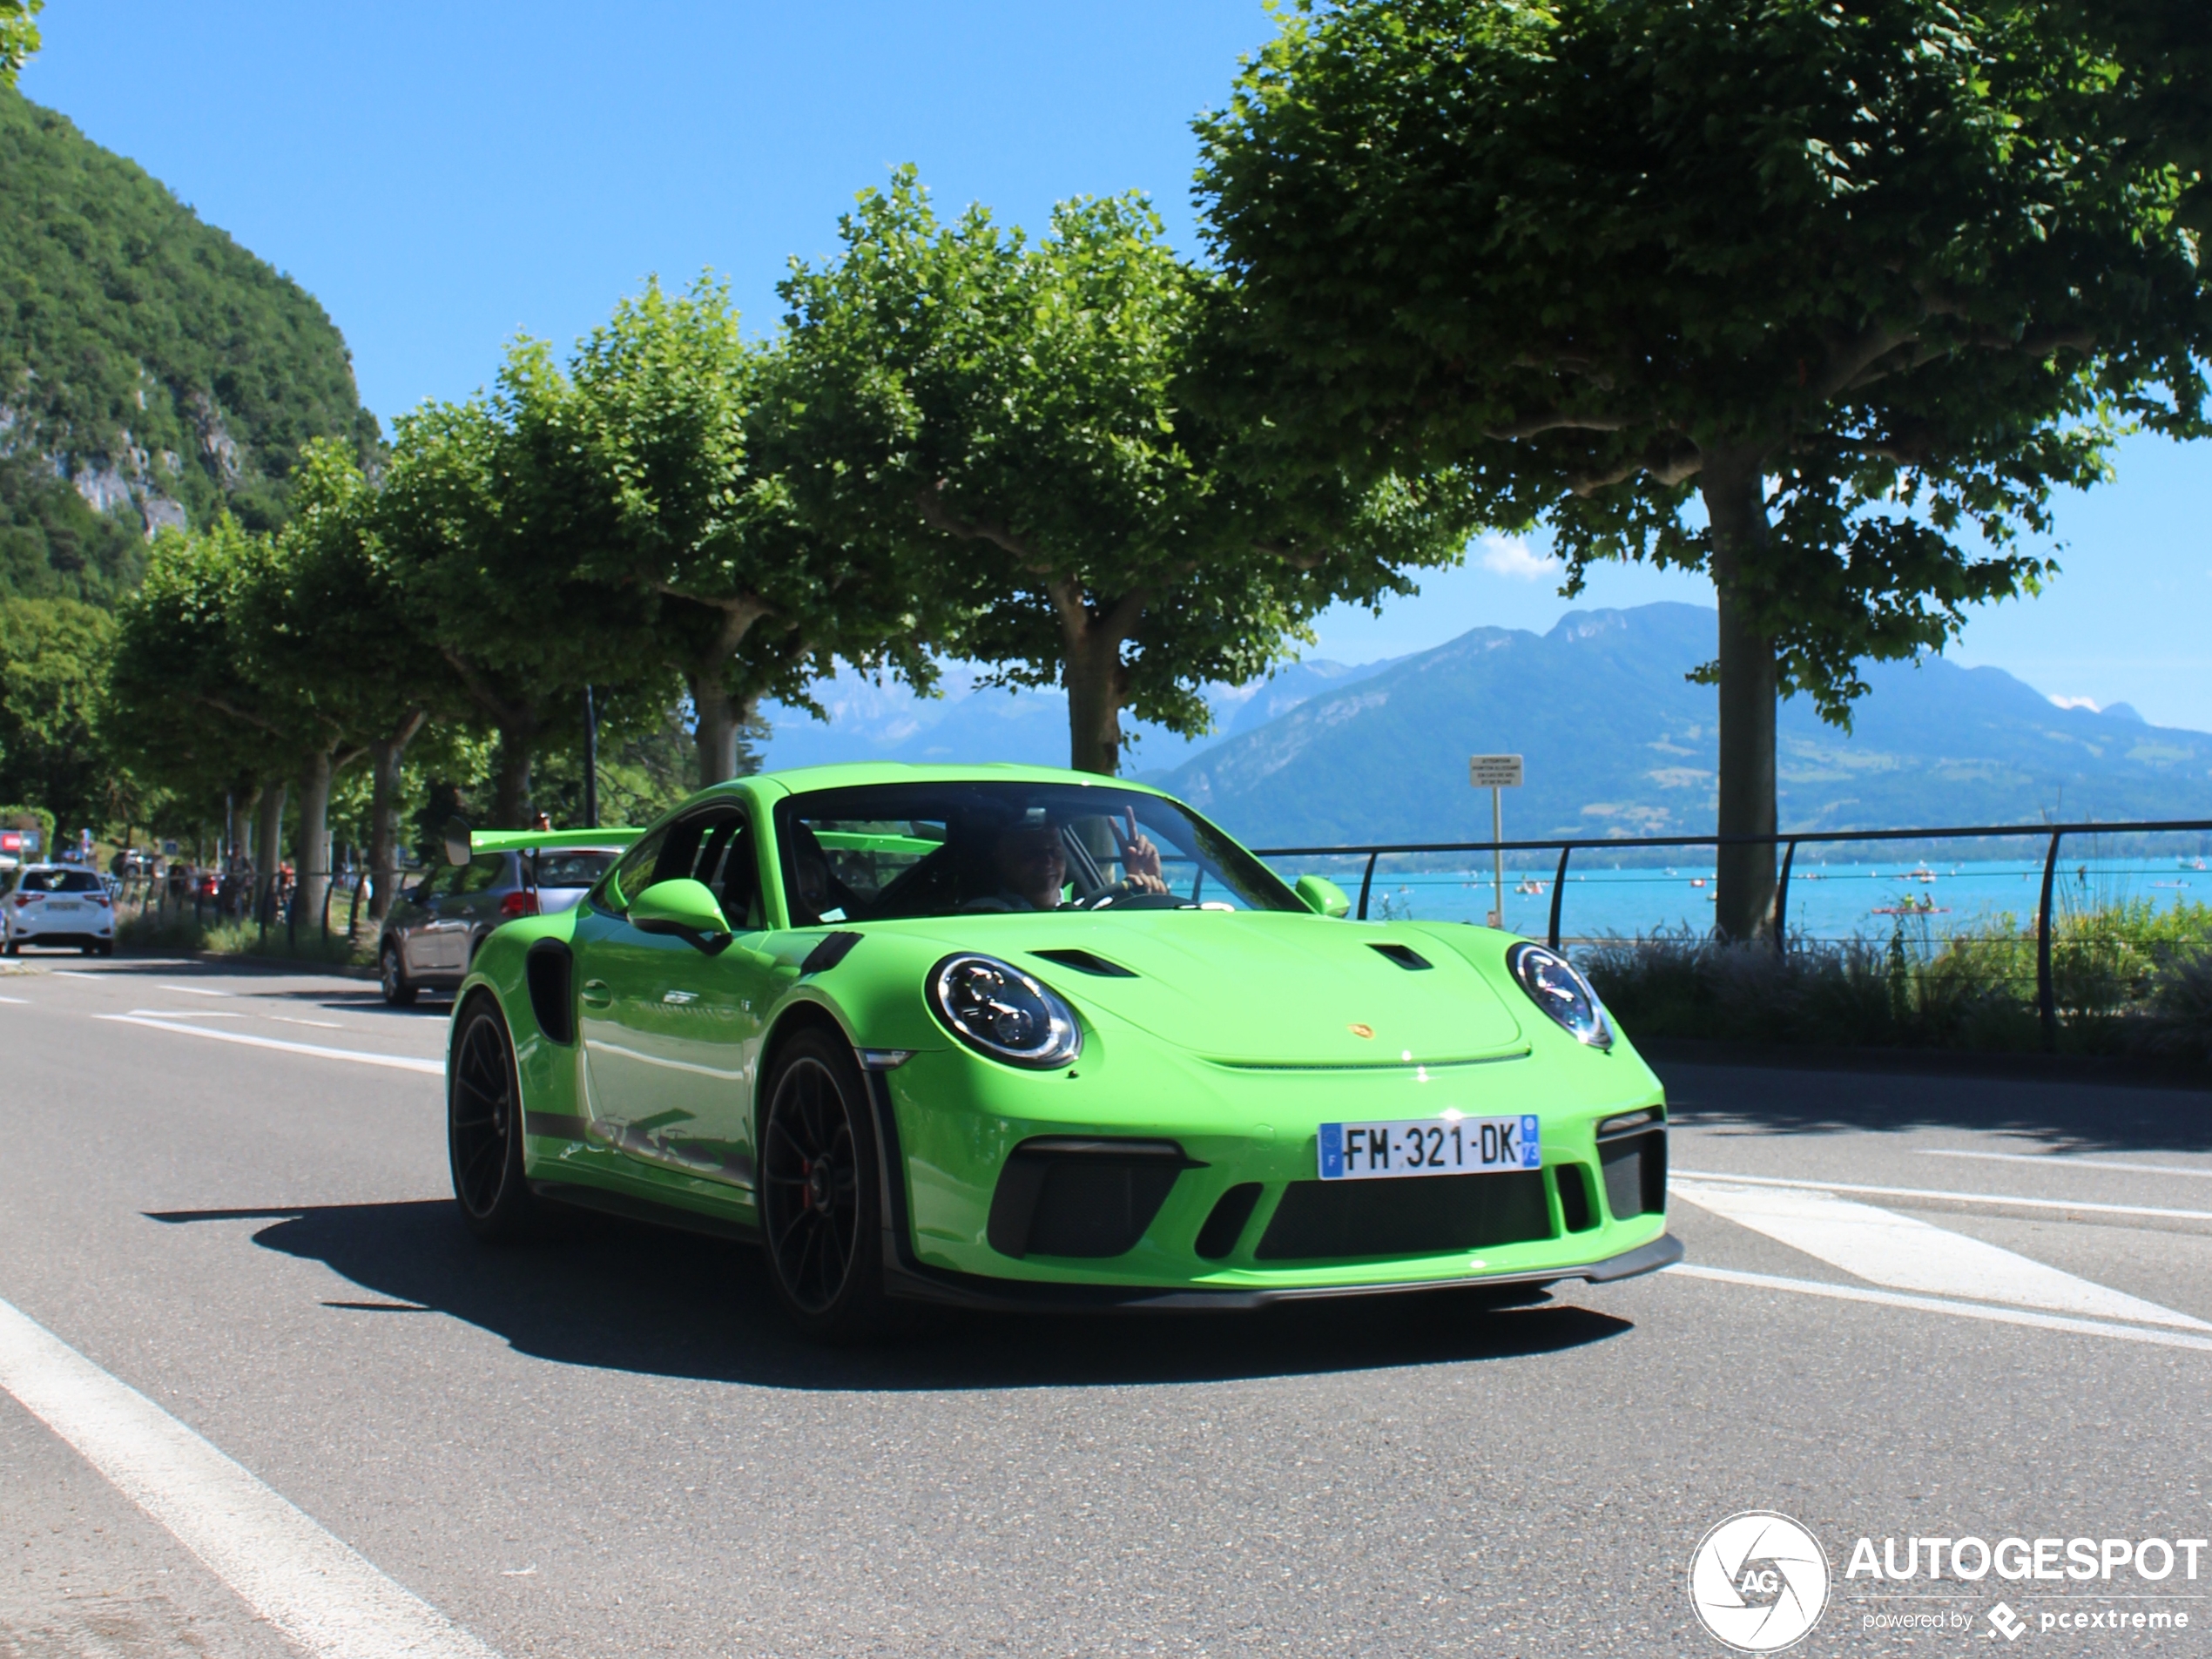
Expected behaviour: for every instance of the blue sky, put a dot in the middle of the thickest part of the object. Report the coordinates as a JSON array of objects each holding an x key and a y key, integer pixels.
[{"x": 443, "y": 177}]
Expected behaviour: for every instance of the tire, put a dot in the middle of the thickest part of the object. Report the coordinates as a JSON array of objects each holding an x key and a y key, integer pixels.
[
  {"x": 89, "y": 950},
  {"x": 107, "y": 947},
  {"x": 484, "y": 1128},
  {"x": 391, "y": 973},
  {"x": 820, "y": 1192}
]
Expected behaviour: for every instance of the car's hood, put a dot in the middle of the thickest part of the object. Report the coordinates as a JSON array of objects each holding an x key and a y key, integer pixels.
[{"x": 1260, "y": 988}]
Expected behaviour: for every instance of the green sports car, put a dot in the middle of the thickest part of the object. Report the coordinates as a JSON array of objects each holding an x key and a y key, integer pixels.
[{"x": 1006, "y": 1036}]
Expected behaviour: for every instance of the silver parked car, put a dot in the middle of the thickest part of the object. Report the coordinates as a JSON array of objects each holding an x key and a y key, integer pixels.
[{"x": 489, "y": 877}]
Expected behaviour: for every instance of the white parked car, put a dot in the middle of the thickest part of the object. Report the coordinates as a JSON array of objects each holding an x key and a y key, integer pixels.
[{"x": 56, "y": 905}]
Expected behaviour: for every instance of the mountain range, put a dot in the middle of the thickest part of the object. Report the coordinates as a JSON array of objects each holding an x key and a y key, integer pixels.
[{"x": 1617, "y": 741}]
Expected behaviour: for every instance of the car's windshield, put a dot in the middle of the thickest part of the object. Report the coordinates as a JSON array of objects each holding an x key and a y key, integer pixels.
[
  {"x": 571, "y": 868},
  {"x": 941, "y": 849},
  {"x": 59, "y": 882}
]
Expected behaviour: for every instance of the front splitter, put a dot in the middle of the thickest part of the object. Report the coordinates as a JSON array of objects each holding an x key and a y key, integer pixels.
[{"x": 913, "y": 1281}]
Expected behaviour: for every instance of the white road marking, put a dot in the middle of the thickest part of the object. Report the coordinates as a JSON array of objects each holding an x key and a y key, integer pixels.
[
  {"x": 2062, "y": 1161},
  {"x": 1956, "y": 1197},
  {"x": 1908, "y": 1254},
  {"x": 1934, "y": 1305},
  {"x": 320, "y": 1593},
  {"x": 195, "y": 990},
  {"x": 24, "y": 1001},
  {"x": 287, "y": 1019},
  {"x": 403, "y": 1062},
  {"x": 75, "y": 973},
  {"x": 185, "y": 1014}
]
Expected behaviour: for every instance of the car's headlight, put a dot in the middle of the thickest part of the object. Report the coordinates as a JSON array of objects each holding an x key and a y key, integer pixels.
[
  {"x": 995, "y": 1007},
  {"x": 1555, "y": 985}
]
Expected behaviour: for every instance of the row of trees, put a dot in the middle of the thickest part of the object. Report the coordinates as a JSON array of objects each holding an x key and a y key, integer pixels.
[
  {"x": 962, "y": 442},
  {"x": 1826, "y": 301}
]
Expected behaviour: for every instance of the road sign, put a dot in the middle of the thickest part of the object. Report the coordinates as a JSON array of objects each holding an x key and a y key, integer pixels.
[{"x": 1496, "y": 773}]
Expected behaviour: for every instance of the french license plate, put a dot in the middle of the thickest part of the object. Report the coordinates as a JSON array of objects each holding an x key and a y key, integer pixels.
[
  {"x": 63, "y": 903},
  {"x": 1429, "y": 1146}
]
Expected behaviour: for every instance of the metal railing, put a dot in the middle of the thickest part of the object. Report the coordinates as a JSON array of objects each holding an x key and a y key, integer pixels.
[{"x": 2046, "y": 989}]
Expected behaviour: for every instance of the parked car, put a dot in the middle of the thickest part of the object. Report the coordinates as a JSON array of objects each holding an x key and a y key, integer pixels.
[
  {"x": 435, "y": 928},
  {"x": 59, "y": 905},
  {"x": 1009, "y": 1037}
]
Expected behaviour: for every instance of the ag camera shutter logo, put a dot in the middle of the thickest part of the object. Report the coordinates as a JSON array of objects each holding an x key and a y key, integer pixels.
[{"x": 1758, "y": 1582}]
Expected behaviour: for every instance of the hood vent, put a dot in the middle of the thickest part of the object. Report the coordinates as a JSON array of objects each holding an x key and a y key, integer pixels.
[
  {"x": 1084, "y": 961},
  {"x": 1404, "y": 955}
]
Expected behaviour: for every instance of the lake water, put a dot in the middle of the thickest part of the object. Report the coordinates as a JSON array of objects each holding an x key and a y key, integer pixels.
[{"x": 1830, "y": 900}]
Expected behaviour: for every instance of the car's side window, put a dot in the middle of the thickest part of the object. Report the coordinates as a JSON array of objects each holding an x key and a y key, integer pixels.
[
  {"x": 480, "y": 873},
  {"x": 634, "y": 874},
  {"x": 736, "y": 878},
  {"x": 434, "y": 883}
]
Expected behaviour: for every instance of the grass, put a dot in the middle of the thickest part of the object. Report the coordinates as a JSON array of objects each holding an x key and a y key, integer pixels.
[
  {"x": 176, "y": 931},
  {"x": 2128, "y": 978}
]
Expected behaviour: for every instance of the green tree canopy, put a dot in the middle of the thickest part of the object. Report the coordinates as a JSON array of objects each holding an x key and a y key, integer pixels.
[
  {"x": 18, "y": 36},
  {"x": 676, "y": 497},
  {"x": 1863, "y": 283},
  {"x": 478, "y": 524},
  {"x": 1022, "y": 420},
  {"x": 53, "y": 660}
]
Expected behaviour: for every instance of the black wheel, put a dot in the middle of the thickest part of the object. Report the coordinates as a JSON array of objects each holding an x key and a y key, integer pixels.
[
  {"x": 89, "y": 950},
  {"x": 107, "y": 947},
  {"x": 821, "y": 1202},
  {"x": 391, "y": 973},
  {"x": 484, "y": 1127}
]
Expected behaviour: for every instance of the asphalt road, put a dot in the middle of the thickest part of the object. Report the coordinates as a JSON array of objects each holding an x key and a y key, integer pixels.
[{"x": 609, "y": 1444}]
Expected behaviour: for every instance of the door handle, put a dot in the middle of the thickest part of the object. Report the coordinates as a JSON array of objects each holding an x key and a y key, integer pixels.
[{"x": 595, "y": 993}]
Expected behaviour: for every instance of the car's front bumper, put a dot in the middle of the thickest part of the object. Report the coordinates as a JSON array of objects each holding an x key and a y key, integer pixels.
[{"x": 949, "y": 1126}]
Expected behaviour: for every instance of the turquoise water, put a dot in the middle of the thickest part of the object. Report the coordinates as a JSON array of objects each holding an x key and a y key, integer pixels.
[{"x": 1933, "y": 898}]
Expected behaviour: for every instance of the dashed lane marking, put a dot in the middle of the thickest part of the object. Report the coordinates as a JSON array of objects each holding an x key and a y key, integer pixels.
[
  {"x": 1954, "y": 1197},
  {"x": 197, "y": 990},
  {"x": 321, "y": 1594},
  {"x": 1906, "y": 1253},
  {"x": 1937, "y": 1304},
  {"x": 362, "y": 1057}
]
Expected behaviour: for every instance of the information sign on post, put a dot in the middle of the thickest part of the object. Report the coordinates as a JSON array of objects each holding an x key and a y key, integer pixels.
[{"x": 1496, "y": 773}]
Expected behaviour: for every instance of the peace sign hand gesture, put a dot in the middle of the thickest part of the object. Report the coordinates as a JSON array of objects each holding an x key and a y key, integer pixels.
[{"x": 1140, "y": 859}]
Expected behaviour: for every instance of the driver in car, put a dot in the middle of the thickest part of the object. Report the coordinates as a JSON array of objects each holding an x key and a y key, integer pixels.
[{"x": 1031, "y": 862}]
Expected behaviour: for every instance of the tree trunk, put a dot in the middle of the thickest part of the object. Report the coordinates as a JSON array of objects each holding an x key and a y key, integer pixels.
[
  {"x": 267, "y": 838},
  {"x": 511, "y": 805},
  {"x": 386, "y": 755},
  {"x": 311, "y": 847},
  {"x": 1097, "y": 684},
  {"x": 721, "y": 716},
  {"x": 1735, "y": 490}
]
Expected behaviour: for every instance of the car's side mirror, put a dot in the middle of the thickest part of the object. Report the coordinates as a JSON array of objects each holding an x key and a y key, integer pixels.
[
  {"x": 1322, "y": 896},
  {"x": 458, "y": 839},
  {"x": 685, "y": 908}
]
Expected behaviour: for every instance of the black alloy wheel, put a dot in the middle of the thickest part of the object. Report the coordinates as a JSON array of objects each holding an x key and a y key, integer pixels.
[
  {"x": 391, "y": 975},
  {"x": 820, "y": 1202},
  {"x": 485, "y": 1126}
]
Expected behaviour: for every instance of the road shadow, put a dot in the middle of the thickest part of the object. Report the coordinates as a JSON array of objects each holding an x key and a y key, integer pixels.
[
  {"x": 2060, "y": 1115},
  {"x": 619, "y": 1296}
]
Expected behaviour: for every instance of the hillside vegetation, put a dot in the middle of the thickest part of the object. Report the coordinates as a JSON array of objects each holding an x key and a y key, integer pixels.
[{"x": 146, "y": 359}]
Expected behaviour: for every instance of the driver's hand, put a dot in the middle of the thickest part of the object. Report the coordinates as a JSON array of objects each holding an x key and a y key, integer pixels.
[{"x": 1140, "y": 859}]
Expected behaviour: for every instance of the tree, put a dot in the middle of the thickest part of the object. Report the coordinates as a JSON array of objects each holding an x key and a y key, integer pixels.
[
  {"x": 18, "y": 36},
  {"x": 1863, "y": 283},
  {"x": 179, "y": 707},
  {"x": 1021, "y": 422},
  {"x": 53, "y": 658},
  {"x": 676, "y": 498},
  {"x": 478, "y": 524}
]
